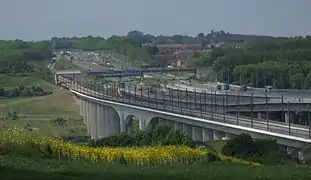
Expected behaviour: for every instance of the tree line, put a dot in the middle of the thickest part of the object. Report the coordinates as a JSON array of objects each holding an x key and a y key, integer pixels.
[
  {"x": 98, "y": 43},
  {"x": 132, "y": 46},
  {"x": 280, "y": 62},
  {"x": 23, "y": 91},
  {"x": 17, "y": 55}
]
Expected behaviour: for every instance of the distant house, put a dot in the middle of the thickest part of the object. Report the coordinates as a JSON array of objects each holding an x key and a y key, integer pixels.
[
  {"x": 181, "y": 55},
  {"x": 172, "y": 48},
  {"x": 214, "y": 45}
]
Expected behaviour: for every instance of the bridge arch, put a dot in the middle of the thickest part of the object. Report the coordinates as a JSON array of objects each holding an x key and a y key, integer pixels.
[
  {"x": 112, "y": 120},
  {"x": 102, "y": 120},
  {"x": 156, "y": 120},
  {"x": 132, "y": 123}
]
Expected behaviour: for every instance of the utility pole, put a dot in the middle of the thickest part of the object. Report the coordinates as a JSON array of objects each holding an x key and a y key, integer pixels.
[{"x": 301, "y": 86}]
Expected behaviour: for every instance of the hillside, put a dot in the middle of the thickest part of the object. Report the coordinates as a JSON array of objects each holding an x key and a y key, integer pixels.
[{"x": 40, "y": 111}]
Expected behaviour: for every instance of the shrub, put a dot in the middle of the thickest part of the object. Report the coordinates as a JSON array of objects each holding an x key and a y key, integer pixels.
[
  {"x": 23, "y": 91},
  {"x": 160, "y": 135},
  {"x": 241, "y": 146},
  {"x": 262, "y": 150}
]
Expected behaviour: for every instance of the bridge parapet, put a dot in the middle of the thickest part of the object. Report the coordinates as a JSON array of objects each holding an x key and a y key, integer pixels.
[{"x": 297, "y": 138}]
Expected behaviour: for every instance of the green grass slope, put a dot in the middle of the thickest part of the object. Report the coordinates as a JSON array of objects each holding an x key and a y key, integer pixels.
[
  {"x": 40, "y": 111},
  {"x": 34, "y": 168},
  {"x": 13, "y": 81}
]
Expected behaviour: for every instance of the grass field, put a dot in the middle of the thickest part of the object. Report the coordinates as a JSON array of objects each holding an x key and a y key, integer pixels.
[
  {"x": 12, "y": 82},
  {"x": 60, "y": 103},
  {"x": 34, "y": 168},
  {"x": 40, "y": 112}
]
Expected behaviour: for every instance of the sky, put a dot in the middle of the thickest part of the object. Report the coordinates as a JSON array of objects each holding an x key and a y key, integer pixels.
[{"x": 43, "y": 19}]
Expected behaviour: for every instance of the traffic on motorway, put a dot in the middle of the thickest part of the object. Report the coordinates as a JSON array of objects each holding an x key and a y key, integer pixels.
[{"x": 99, "y": 62}]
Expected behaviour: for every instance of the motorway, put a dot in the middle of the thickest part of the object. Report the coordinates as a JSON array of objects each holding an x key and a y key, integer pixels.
[
  {"x": 272, "y": 126},
  {"x": 84, "y": 61},
  {"x": 87, "y": 64},
  {"x": 235, "y": 90},
  {"x": 173, "y": 89},
  {"x": 218, "y": 98}
]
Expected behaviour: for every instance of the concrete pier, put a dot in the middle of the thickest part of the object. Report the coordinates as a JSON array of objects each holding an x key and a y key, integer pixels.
[
  {"x": 197, "y": 134},
  {"x": 208, "y": 135},
  {"x": 93, "y": 120},
  {"x": 187, "y": 129}
]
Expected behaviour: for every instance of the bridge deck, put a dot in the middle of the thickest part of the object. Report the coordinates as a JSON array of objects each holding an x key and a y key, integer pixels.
[{"x": 291, "y": 131}]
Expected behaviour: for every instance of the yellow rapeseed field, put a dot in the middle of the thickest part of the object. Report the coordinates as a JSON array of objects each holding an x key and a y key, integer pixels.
[{"x": 164, "y": 155}]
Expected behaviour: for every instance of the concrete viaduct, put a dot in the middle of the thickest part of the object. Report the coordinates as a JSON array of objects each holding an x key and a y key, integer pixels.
[{"x": 111, "y": 114}]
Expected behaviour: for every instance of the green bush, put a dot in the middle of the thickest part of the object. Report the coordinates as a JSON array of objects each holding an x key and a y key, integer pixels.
[
  {"x": 12, "y": 115},
  {"x": 241, "y": 146},
  {"x": 23, "y": 91},
  {"x": 262, "y": 150},
  {"x": 159, "y": 135}
]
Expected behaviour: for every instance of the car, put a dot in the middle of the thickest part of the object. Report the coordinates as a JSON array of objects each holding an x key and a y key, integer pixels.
[
  {"x": 226, "y": 86},
  {"x": 268, "y": 88},
  {"x": 244, "y": 88}
]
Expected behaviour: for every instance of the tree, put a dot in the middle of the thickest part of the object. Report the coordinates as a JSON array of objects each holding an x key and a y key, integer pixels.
[
  {"x": 281, "y": 62},
  {"x": 178, "y": 39},
  {"x": 200, "y": 36},
  {"x": 296, "y": 80},
  {"x": 307, "y": 81},
  {"x": 241, "y": 146}
]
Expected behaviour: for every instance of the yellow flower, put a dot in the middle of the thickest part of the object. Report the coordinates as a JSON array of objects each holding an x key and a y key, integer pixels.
[{"x": 135, "y": 155}]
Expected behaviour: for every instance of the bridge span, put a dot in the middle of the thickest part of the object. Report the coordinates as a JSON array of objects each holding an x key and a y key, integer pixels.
[
  {"x": 107, "y": 112},
  {"x": 284, "y": 109}
]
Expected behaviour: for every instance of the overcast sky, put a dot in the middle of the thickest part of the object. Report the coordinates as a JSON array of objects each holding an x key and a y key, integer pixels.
[{"x": 42, "y": 19}]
